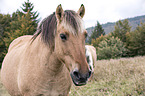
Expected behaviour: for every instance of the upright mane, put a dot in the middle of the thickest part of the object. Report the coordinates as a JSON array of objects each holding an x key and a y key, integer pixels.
[{"x": 48, "y": 27}]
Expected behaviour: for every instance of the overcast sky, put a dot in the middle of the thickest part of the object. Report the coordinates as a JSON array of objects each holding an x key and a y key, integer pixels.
[{"x": 96, "y": 10}]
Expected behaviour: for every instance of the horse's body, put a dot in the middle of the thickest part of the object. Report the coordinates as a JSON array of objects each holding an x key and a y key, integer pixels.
[
  {"x": 91, "y": 56},
  {"x": 34, "y": 66}
]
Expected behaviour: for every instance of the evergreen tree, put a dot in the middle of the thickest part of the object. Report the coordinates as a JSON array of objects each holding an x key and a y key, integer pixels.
[
  {"x": 111, "y": 48},
  {"x": 4, "y": 26},
  {"x": 22, "y": 26},
  {"x": 136, "y": 41},
  {"x": 98, "y": 31},
  {"x": 22, "y": 23},
  {"x": 121, "y": 28},
  {"x": 25, "y": 24},
  {"x": 28, "y": 7},
  {"x": 16, "y": 25},
  {"x": 4, "y": 23}
]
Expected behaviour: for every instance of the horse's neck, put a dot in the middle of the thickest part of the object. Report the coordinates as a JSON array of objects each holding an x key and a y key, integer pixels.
[
  {"x": 47, "y": 58},
  {"x": 47, "y": 69},
  {"x": 54, "y": 64}
]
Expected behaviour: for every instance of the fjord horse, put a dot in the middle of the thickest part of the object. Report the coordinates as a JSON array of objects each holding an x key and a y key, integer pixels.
[
  {"x": 91, "y": 57},
  {"x": 47, "y": 63}
]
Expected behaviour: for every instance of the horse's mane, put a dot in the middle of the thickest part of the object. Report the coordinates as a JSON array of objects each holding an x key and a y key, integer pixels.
[{"x": 48, "y": 26}]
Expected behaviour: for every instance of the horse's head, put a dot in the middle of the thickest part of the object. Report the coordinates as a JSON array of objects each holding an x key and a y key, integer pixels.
[
  {"x": 70, "y": 43},
  {"x": 65, "y": 34}
]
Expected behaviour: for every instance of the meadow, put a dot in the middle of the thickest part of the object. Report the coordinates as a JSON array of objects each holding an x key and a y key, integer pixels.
[{"x": 114, "y": 77}]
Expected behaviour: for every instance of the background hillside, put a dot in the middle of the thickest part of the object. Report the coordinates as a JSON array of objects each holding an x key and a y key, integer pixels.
[{"x": 109, "y": 27}]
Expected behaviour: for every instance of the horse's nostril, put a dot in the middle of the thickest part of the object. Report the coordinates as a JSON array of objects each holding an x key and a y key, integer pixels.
[
  {"x": 80, "y": 76},
  {"x": 76, "y": 74}
]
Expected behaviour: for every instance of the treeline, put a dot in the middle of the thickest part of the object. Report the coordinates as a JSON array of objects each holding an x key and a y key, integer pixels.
[
  {"x": 122, "y": 42},
  {"x": 17, "y": 24}
]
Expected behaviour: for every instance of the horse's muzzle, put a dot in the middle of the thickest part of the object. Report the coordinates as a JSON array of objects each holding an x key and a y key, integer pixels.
[{"x": 80, "y": 79}]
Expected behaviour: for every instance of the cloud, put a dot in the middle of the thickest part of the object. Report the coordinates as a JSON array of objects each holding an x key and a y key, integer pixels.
[{"x": 112, "y": 10}]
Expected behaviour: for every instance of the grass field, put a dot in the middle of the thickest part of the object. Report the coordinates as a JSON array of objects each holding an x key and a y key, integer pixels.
[
  {"x": 119, "y": 77},
  {"x": 115, "y": 77}
]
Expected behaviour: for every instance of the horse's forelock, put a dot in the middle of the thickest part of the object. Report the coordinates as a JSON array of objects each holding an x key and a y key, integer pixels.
[{"x": 72, "y": 22}]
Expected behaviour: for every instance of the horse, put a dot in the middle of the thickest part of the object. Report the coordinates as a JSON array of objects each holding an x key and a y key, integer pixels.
[
  {"x": 91, "y": 57},
  {"x": 50, "y": 61}
]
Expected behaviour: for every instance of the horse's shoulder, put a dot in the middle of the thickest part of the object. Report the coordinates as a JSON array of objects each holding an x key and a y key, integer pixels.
[{"x": 18, "y": 41}]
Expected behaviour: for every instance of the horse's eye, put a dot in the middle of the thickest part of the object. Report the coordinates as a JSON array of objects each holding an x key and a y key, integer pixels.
[{"x": 63, "y": 37}]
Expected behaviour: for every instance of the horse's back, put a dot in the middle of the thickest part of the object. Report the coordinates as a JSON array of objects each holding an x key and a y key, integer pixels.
[
  {"x": 19, "y": 41},
  {"x": 9, "y": 71}
]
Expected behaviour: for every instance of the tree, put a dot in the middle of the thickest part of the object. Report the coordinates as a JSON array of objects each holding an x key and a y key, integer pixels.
[
  {"x": 136, "y": 41},
  {"x": 96, "y": 42},
  {"x": 111, "y": 48},
  {"x": 16, "y": 25},
  {"x": 22, "y": 26},
  {"x": 4, "y": 26},
  {"x": 98, "y": 31},
  {"x": 28, "y": 7},
  {"x": 121, "y": 28},
  {"x": 25, "y": 24}
]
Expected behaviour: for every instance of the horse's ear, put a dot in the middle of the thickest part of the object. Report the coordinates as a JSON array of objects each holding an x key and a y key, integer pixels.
[
  {"x": 59, "y": 13},
  {"x": 81, "y": 11}
]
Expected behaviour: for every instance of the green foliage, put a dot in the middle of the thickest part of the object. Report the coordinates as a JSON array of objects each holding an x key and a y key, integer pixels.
[
  {"x": 4, "y": 26},
  {"x": 132, "y": 41},
  {"x": 28, "y": 8},
  {"x": 98, "y": 31},
  {"x": 121, "y": 28},
  {"x": 110, "y": 48},
  {"x": 16, "y": 25},
  {"x": 22, "y": 26},
  {"x": 25, "y": 24},
  {"x": 4, "y": 23},
  {"x": 136, "y": 41},
  {"x": 96, "y": 42}
]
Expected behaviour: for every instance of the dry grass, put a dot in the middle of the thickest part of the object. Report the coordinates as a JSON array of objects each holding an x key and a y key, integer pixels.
[{"x": 119, "y": 77}]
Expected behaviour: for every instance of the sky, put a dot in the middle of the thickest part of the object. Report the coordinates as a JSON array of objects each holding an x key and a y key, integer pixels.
[{"x": 95, "y": 10}]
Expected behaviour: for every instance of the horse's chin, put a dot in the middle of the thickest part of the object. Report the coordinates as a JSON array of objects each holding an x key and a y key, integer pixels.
[{"x": 78, "y": 82}]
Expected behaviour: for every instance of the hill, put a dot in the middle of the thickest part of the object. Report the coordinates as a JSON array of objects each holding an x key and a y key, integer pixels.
[{"x": 109, "y": 27}]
